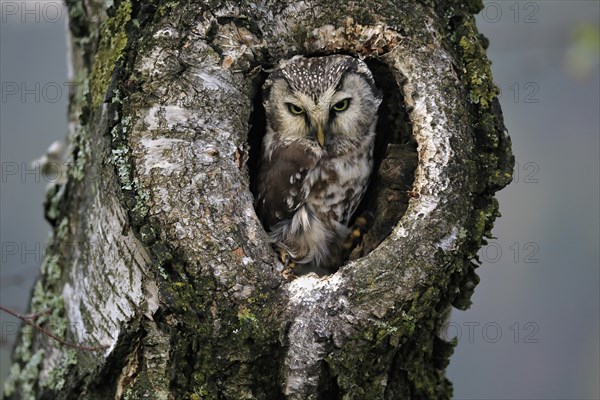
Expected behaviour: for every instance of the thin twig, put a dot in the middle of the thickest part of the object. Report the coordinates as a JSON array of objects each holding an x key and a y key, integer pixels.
[
  {"x": 27, "y": 320},
  {"x": 36, "y": 315}
]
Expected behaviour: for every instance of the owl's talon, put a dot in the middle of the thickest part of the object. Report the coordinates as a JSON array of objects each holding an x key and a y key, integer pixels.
[
  {"x": 288, "y": 273},
  {"x": 285, "y": 257},
  {"x": 359, "y": 229},
  {"x": 288, "y": 263},
  {"x": 361, "y": 221}
]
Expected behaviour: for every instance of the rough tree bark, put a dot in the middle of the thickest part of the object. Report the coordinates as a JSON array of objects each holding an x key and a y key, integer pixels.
[{"x": 157, "y": 254}]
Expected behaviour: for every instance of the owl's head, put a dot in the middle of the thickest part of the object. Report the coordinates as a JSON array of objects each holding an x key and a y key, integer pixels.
[{"x": 330, "y": 102}]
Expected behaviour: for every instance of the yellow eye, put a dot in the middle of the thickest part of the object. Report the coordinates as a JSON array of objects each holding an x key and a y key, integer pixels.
[
  {"x": 341, "y": 105},
  {"x": 294, "y": 109}
]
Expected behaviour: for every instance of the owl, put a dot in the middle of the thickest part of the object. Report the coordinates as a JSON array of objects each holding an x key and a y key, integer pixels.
[{"x": 316, "y": 156}]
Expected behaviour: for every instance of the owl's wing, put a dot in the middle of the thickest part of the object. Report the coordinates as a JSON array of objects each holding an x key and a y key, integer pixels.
[{"x": 281, "y": 189}]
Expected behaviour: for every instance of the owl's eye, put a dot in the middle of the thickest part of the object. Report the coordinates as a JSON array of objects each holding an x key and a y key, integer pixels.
[
  {"x": 294, "y": 109},
  {"x": 341, "y": 105}
]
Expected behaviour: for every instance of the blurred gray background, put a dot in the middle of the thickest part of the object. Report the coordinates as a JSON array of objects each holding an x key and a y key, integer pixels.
[{"x": 533, "y": 331}]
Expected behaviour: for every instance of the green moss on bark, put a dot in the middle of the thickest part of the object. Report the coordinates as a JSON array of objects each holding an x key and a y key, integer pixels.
[{"x": 113, "y": 40}]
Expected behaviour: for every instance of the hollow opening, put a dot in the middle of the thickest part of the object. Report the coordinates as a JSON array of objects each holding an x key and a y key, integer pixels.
[{"x": 395, "y": 161}]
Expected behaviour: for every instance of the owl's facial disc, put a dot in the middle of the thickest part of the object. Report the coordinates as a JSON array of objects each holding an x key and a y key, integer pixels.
[{"x": 318, "y": 115}]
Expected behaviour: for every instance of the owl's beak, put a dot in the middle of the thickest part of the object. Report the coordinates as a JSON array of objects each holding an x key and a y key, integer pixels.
[{"x": 320, "y": 135}]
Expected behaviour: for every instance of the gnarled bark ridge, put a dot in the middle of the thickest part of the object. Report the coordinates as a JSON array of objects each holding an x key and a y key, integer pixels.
[{"x": 172, "y": 272}]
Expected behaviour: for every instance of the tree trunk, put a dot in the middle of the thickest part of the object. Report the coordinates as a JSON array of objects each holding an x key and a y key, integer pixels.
[{"x": 158, "y": 257}]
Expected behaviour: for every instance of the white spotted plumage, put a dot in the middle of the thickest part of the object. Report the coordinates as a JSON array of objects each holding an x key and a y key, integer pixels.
[{"x": 317, "y": 153}]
